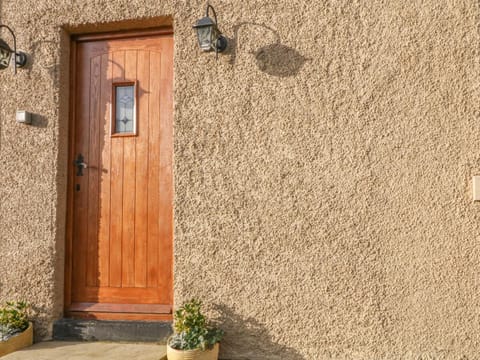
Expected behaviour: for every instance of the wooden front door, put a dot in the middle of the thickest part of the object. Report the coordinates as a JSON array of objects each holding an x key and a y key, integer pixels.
[{"x": 119, "y": 248}]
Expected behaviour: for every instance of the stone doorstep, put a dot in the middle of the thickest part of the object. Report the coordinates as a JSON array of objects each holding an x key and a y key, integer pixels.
[
  {"x": 68, "y": 350},
  {"x": 83, "y": 350},
  {"x": 112, "y": 330},
  {"x": 70, "y": 332}
]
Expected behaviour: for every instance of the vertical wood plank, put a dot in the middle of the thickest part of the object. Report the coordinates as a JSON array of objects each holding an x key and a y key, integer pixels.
[
  {"x": 104, "y": 170},
  {"x": 128, "y": 238},
  {"x": 153, "y": 170},
  {"x": 80, "y": 226},
  {"x": 116, "y": 187},
  {"x": 141, "y": 185},
  {"x": 165, "y": 206},
  {"x": 92, "y": 172}
]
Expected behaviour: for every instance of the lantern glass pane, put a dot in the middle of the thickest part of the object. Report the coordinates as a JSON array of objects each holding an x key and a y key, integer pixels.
[
  {"x": 5, "y": 56},
  {"x": 204, "y": 34}
]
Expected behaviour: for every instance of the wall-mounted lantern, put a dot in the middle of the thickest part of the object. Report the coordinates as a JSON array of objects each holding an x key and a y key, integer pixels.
[
  {"x": 209, "y": 37},
  {"x": 6, "y": 52}
]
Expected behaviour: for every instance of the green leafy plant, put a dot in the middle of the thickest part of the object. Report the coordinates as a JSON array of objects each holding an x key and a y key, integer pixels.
[
  {"x": 13, "y": 318},
  {"x": 192, "y": 330}
]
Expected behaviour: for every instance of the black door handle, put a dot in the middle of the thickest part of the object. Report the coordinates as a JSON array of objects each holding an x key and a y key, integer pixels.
[{"x": 80, "y": 164}]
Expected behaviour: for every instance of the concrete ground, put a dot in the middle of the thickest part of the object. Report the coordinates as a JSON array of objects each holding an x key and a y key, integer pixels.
[{"x": 59, "y": 350}]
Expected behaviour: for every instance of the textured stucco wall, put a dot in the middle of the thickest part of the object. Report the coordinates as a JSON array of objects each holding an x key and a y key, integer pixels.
[{"x": 322, "y": 172}]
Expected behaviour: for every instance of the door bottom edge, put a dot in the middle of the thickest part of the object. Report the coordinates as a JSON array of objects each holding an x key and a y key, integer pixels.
[{"x": 104, "y": 307}]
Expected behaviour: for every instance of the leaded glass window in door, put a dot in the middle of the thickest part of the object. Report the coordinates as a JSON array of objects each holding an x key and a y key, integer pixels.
[{"x": 124, "y": 121}]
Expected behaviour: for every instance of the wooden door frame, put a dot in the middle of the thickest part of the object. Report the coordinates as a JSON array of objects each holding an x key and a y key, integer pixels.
[{"x": 74, "y": 40}]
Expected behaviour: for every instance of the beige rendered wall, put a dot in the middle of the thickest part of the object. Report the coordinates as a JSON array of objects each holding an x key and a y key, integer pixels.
[{"x": 322, "y": 171}]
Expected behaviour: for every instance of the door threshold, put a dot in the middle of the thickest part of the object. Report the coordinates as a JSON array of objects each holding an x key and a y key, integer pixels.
[{"x": 110, "y": 311}]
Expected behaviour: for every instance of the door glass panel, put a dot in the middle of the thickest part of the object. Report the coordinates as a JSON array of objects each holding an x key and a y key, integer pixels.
[{"x": 124, "y": 109}]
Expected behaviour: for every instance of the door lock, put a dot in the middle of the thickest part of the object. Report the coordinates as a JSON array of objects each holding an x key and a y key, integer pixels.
[{"x": 80, "y": 164}]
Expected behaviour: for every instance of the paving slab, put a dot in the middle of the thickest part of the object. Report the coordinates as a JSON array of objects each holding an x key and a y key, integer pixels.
[{"x": 59, "y": 350}]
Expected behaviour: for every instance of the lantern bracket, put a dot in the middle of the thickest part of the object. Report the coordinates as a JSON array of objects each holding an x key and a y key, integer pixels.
[
  {"x": 213, "y": 10},
  {"x": 20, "y": 58}
]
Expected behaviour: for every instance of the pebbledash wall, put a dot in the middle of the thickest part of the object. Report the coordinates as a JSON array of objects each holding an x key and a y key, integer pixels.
[{"x": 323, "y": 205}]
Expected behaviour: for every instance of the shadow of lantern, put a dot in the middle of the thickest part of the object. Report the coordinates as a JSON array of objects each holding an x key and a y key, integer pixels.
[
  {"x": 275, "y": 58},
  {"x": 279, "y": 60}
]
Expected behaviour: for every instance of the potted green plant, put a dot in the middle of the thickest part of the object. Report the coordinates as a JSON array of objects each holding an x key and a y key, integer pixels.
[
  {"x": 194, "y": 338},
  {"x": 16, "y": 331}
]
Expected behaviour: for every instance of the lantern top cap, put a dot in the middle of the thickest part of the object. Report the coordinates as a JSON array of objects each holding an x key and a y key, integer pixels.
[
  {"x": 204, "y": 22},
  {"x": 207, "y": 20}
]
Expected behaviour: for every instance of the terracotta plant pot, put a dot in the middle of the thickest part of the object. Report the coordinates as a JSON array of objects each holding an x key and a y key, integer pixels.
[
  {"x": 17, "y": 342},
  {"x": 196, "y": 354}
]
